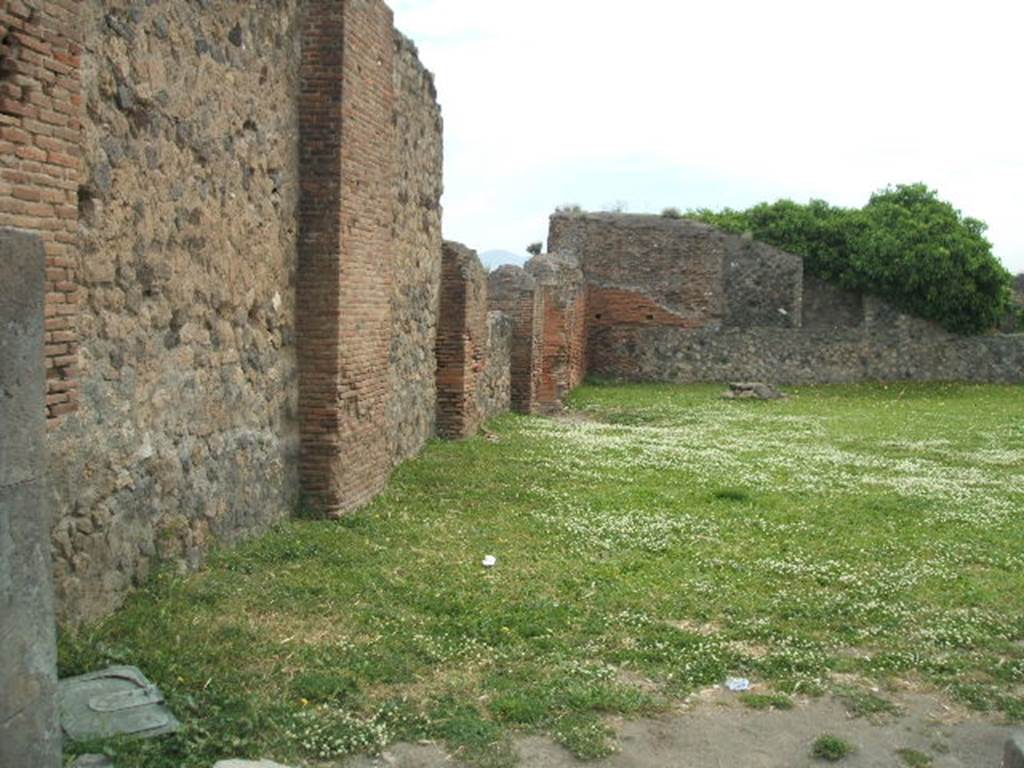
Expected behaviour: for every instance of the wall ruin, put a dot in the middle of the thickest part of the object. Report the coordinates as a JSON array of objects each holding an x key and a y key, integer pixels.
[
  {"x": 546, "y": 303},
  {"x": 187, "y": 432},
  {"x": 674, "y": 300},
  {"x": 212, "y": 189},
  {"x": 474, "y": 348},
  {"x": 40, "y": 159},
  {"x": 563, "y": 323},
  {"x": 415, "y": 287},
  {"x": 240, "y": 205},
  {"x": 461, "y": 341},
  {"x": 494, "y": 386},
  {"x": 513, "y": 291}
]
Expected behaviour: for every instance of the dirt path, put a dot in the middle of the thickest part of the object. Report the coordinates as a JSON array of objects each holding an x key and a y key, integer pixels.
[{"x": 720, "y": 734}]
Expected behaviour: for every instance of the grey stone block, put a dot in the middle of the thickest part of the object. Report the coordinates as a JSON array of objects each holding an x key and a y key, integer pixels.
[
  {"x": 1013, "y": 756},
  {"x": 248, "y": 764},
  {"x": 93, "y": 761},
  {"x": 29, "y": 726}
]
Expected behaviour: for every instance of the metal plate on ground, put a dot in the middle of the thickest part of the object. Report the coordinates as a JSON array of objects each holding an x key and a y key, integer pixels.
[{"x": 118, "y": 701}]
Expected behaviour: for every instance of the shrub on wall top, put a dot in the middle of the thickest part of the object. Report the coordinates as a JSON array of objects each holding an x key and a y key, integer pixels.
[{"x": 906, "y": 245}]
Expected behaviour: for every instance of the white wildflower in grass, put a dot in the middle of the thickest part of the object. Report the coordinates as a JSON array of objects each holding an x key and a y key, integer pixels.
[
  {"x": 655, "y": 547},
  {"x": 326, "y": 733}
]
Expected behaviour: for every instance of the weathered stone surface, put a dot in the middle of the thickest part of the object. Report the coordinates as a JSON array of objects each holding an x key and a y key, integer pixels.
[
  {"x": 673, "y": 300},
  {"x": 905, "y": 350},
  {"x": 494, "y": 387},
  {"x": 248, "y": 764},
  {"x": 29, "y": 727},
  {"x": 415, "y": 290},
  {"x": 93, "y": 761},
  {"x": 187, "y": 431},
  {"x": 512, "y": 291},
  {"x": 827, "y": 307},
  {"x": 1013, "y": 756},
  {"x": 186, "y": 272}
]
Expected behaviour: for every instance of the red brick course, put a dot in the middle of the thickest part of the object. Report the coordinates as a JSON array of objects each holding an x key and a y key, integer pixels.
[
  {"x": 347, "y": 166},
  {"x": 40, "y": 159},
  {"x": 563, "y": 299},
  {"x": 616, "y": 306},
  {"x": 462, "y": 336}
]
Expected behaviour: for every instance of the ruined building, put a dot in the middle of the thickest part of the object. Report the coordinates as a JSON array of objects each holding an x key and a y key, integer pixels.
[
  {"x": 675, "y": 300},
  {"x": 249, "y": 307}
]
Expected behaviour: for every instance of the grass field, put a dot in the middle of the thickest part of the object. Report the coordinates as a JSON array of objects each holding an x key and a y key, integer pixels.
[{"x": 651, "y": 544}]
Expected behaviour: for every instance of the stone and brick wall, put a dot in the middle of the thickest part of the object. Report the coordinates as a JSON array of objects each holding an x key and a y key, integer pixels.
[
  {"x": 654, "y": 271},
  {"x": 673, "y": 300},
  {"x": 178, "y": 249},
  {"x": 494, "y": 386},
  {"x": 417, "y": 252},
  {"x": 462, "y": 340},
  {"x": 40, "y": 160},
  {"x": 187, "y": 431},
  {"x": 563, "y": 320},
  {"x": 513, "y": 291}
]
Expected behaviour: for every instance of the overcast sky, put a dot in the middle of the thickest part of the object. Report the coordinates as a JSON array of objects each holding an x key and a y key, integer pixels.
[{"x": 657, "y": 103}]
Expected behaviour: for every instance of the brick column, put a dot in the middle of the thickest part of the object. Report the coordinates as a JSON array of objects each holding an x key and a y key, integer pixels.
[
  {"x": 346, "y": 165},
  {"x": 564, "y": 346},
  {"x": 40, "y": 148},
  {"x": 461, "y": 341},
  {"x": 512, "y": 291}
]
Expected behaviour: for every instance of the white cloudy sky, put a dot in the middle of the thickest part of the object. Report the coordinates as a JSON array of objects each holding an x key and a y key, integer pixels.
[{"x": 656, "y": 103}]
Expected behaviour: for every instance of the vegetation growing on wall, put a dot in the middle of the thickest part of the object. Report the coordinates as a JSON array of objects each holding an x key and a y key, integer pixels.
[{"x": 906, "y": 245}]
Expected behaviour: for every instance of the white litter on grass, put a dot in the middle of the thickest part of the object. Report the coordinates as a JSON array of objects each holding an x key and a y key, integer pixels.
[
  {"x": 737, "y": 684},
  {"x": 490, "y": 561}
]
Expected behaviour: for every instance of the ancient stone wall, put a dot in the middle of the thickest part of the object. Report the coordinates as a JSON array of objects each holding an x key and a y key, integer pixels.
[
  {"x": 494, "y": 386},
  {"x": 1014, "y": 320},
  {"x": 826, "y": 306},
  {"x": 417, "y": 253},
  {"x": 513, "y": 291},
  {"x": 40, "y": 136},
  {"x": 655, "y": 271},
  {"x": 673, "y": 300},
  {"x": 762, "y": 286},
  {"x": 202, "y": 125},
  {"x": 563, "y": 319},
  {"x": 462, "y": 341},
  {"x": 187, "y": 430},
  {"x": 903, "y": 351}
]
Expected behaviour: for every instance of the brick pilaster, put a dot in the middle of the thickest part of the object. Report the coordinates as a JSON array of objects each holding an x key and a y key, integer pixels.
[{"x": 346, "y": 165}]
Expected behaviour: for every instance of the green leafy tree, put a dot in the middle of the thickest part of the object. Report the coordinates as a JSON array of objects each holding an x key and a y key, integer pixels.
[{"x": 906, "y": 245}]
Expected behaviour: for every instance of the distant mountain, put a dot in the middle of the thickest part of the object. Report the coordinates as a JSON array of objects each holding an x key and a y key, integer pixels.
[{"x": 494, "y": 259}]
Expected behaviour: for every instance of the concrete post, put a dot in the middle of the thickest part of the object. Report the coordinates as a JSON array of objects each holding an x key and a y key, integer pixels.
[{"x": 29, "y": 723}]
